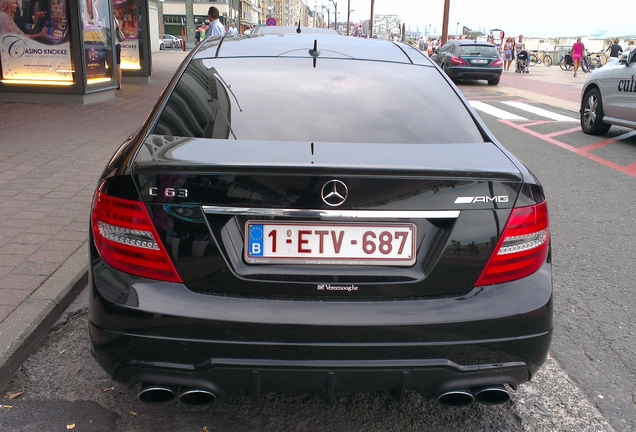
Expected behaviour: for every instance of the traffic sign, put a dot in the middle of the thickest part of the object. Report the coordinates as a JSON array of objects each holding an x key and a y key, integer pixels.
[{"x": 271, "y": 21}]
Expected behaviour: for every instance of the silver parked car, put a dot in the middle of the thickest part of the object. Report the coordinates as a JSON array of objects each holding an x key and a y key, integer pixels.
[
  {"x": 609, "y": 96},
  {"x": 171, "y": 41}
]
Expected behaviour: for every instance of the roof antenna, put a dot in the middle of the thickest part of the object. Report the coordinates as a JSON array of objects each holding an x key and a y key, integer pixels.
[
  {"x": 300, "y": 15},
  {"x": 315, "y": 52}
]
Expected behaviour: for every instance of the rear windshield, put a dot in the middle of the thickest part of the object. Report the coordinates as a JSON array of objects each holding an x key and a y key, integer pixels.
[
  {"x": 287, "y": 99},
  {"x": 478, "y": 50}
]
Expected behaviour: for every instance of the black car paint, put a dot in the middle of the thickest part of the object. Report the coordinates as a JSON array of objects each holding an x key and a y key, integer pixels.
[{"x": 231, "y": 329}]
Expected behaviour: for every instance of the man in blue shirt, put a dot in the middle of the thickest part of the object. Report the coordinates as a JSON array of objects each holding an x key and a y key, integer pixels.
[{"x": 215, "y": 28}]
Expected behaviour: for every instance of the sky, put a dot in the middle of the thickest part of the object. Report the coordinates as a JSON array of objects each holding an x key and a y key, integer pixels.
[{"x": 554, "y": 17}]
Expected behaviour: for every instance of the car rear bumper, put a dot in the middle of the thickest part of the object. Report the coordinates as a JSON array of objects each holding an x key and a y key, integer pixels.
[
  {"x": 473, "y": 73},
  {"x": 162, "y": 333}
]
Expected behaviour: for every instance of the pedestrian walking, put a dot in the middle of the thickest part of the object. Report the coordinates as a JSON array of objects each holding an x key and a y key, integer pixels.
[
  {"x": 197, "y": 36},
  {"x": 118, "y": 70},
  {"x": 508, "y": 48},
  {"x": 578, "y": 51},
  {"x": 233, "y": 31},
  {"x": 615, "y": 50}
]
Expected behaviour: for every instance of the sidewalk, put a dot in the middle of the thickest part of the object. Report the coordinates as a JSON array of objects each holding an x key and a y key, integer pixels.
[{"x": 50, "y": 159}]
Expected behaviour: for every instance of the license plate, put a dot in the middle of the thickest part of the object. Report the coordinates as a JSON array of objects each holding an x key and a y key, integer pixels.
[
  {"x": 479, "y": 61},
  {"x": 330, "y": 244}
]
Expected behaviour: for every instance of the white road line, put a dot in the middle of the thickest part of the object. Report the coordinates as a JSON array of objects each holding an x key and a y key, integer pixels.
[
  {"x": 541, "y": 112},
  {"x": 489, "y": 109}
]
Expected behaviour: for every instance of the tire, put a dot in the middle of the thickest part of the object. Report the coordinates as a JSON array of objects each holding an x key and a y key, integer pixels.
[
  {"x": 592, "y": 114},
  {"x": 584, "y": 66},
  {"x": 562, "y": 64},
  {"x": 494, "y": 81},
  {"x": 533, "y": 60},
  {"x": 547, "y": 60}
]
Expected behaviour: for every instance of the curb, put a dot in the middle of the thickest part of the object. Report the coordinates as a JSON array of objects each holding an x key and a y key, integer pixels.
[{"x": 28, "y": 325}]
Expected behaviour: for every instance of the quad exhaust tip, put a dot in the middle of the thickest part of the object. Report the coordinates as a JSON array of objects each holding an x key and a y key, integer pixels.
[
  {"x": 491, "y": 395},
  {"x": 196, "y": 397},
  {"x": 154, "y": 394},
  {"x": 456, "y": 398},
  {"x": 486, "y": 395}
]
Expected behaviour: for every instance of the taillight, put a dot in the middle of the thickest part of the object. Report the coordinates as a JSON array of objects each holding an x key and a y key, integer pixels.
[
  {"x": 497, "y": 63},
  {"x": 456, "y": 61},
  {"x": 522, "y": 248},
  {"x": 127, "y": 241}
]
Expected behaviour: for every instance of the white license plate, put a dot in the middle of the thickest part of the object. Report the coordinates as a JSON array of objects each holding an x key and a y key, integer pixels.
[
  {"x": 479, "y": 61},
  {"x": 330, "y": 244}
]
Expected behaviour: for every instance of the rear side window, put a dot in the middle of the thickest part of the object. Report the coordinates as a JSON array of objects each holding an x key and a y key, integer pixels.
[
  {"x": 287, "y": 99},
  {"x": 478, "y": 50}
]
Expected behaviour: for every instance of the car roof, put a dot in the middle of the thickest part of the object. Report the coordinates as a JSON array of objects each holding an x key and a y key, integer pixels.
[
  {"x": 293, "y": 29},
  {"x": 302, "y": 45},
  {"x": 464, "y": 42}
]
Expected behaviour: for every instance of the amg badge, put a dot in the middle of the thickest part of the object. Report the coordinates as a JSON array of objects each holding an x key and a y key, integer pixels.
[{"x": 481, "y": 199}]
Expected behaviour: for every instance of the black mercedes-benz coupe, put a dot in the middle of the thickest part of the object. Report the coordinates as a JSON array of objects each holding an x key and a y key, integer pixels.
[{"x": 312, "y": 213}]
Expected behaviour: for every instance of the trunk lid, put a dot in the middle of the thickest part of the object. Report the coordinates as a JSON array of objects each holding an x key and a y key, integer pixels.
[{"x": 447, "y": 204}]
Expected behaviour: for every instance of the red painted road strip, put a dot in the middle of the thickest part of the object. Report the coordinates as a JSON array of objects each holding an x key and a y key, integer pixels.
[{"x": 630, "y": 170}]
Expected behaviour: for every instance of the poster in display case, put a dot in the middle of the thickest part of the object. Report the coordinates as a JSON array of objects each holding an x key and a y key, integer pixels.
[
  {"x": 127, "y": 12},
  {"x": 97, "y": 42},
  {"x": 35, "y": 42}
]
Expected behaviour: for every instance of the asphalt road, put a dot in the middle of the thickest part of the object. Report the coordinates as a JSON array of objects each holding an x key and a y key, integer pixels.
[
  {"x": 586, "y": 384},
  {"x": 593, "y": 244}
]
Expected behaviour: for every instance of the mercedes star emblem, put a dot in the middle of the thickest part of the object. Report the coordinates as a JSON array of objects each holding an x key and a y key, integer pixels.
[{"x": 334, "y": 193}]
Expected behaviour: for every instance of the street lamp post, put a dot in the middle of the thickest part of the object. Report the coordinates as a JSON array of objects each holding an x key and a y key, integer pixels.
[
  {"x": 348, "y": 15},
  {"x": 335, "y": 14},
  {"x": 371, "y": 21}
]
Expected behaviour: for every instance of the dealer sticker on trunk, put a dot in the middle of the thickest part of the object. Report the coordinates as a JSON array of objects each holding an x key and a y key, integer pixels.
[{"x": 330, "y": 244}]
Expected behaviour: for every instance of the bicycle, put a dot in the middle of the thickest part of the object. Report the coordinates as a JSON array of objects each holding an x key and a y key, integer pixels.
[
  {"x": 585, "y": 65},
  {"x": 597, "y": 60},
  {"x": 543, "y": 57},
  {"x": 566, "y": 63}
]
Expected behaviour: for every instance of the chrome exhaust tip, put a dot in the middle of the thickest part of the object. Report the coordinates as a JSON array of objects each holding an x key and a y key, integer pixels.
[
  {"x": 196, "y": 397},
  {"x": 154, "y": 394},
  {"x": 456, "y": 398},
  {"x": 491, "y": 395}
]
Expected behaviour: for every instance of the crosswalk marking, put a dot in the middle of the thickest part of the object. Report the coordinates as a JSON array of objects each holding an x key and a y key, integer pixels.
[
  {"x": 489, "y": 109},
  {"x": 540, "y": 111}
]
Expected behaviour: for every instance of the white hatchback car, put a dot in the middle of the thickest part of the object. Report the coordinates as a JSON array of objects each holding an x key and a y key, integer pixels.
[{"x": 609, "y": 96}]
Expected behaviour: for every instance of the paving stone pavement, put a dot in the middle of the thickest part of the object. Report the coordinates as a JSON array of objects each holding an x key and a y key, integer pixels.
[{"x": 51, "y": 156}]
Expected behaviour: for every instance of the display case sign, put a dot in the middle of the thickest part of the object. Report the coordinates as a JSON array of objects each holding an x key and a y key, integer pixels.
[
  {"x": 127, "y": 12},
  {"x": 97, "y": 43},
  {"x": 35, "y": 41}
]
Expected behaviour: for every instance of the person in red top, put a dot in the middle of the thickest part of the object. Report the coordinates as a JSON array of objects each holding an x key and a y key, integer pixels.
[{"x": 578, "y": 50}]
